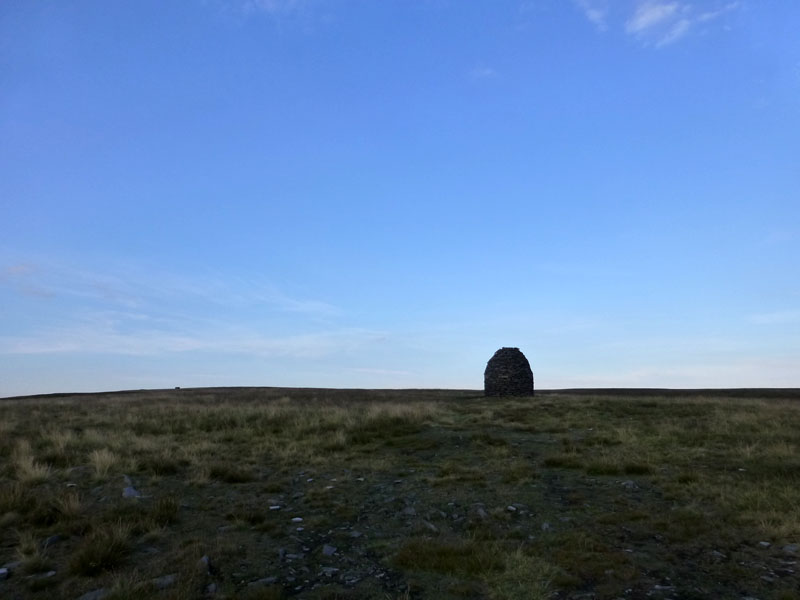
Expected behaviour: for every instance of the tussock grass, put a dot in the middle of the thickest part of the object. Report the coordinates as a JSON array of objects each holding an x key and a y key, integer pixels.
[
  {"x": 26, "y": 468},
  {"x": 104, "y": 462},
  {"x": 103, "y": 549}
]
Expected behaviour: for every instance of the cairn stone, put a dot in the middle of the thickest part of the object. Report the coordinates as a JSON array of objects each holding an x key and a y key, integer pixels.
[{"x": 508, "y": 373}]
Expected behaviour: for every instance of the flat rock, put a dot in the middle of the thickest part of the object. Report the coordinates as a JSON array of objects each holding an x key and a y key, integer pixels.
[
  {"x": 98, "y": 594},
  {"x": 328, "y": 550},
  {"x": 3, "y": 574},
  {"x": 165, "y": 581},
  {"x": 263, "y": 581},
  {"x": 131, "y": 492}
]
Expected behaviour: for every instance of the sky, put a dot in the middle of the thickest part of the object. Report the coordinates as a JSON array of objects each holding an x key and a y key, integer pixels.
[{"x": 380, "y": 194}]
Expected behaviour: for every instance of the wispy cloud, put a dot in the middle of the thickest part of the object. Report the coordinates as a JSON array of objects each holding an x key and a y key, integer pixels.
[
  {"x": 273, "y": 7},
  {"x": 108, "y": 339},
  {"x": 137, "y": 311},
  {"x": 594, "y": 10},
  {"x": 652, "y": 14},
  {"x": 654, "y": 23},
  {"x": 482, "y": 71}
]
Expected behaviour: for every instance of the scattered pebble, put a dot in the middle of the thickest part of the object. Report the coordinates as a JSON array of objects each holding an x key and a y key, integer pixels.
[
  {"x": 297, "y": 519},
  {"x": 329, "y": 571},
  {"x": 790, "y": 548},
  {"x": 545, "y": 526},
  {"x": 204, "y": 564},
  {"x": 301, "y": 529},
  {"x": 764, "y": 544},
  {"x": 511, "y": 508},
  {"x": 165, "y": 581},
  {"x": 98, "y": 594},
  {"x": 355, "y": 534},
  {"x": 3, "y": 574},
  {"x": 430, "y": 526},
  {"x": 131, "y": 492},
  {"x": 629, "y": 485},
  {"x": 409, "y": 511},
  {"x": 328, "y": 550},
  {"x": 275, "y": 507},
  {"x": 263, "y": 581}
]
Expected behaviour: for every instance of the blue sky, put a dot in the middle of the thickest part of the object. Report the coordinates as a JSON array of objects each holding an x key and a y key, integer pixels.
[{"x": 353, "y": 193}]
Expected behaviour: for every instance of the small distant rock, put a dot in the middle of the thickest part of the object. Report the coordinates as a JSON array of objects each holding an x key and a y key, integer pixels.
[
  {"x": 204, "y": 564},
  {"x": 764, "y": 544},
  {"x": 355, "y": 534},
  {"x": 511, "y": 508},
  {"x": 3, "y": 574},
  {"x": 275, "y": 507},
  {"x": 297, "y": 519},
  {"x": 481, "y": 512},
  {"x": 165, "y": 581},
  {"x": 629, "y": 485},
  {"x": 131, "y": 492},
  {"x": 409, "y": 511},
  {"x": 329, "y": 571},
  {"x": 328, "y": 550},
  {"x": 790, "y": 548},
  {"x": 211, "y": 589},
  {"x": 53, "y": 539},
  {"x": 431, "y": 526},
  {"x": 545, "y": 526},
  {"x": 98, "y": 594},
  {"x": 263, "y": 581}
]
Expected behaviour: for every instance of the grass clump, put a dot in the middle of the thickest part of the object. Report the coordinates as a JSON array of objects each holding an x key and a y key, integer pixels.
[
  {"x": 449, "y": 556},
  {"x": 103, "y": 462},
  {"x": 522, "y": 577},
  {"x": 102, "y": 549}
]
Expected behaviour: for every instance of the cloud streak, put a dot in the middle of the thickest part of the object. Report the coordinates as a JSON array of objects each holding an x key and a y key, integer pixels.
[
  {"x": 654, "y": 23},
  {"x": 148, "y": 313}
]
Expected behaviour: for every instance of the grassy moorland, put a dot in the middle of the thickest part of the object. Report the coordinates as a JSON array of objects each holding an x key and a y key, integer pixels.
[{"x": 326, "y": 494}]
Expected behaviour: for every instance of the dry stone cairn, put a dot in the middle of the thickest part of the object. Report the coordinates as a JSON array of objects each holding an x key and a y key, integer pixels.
[{"x": 508, "y": 373}]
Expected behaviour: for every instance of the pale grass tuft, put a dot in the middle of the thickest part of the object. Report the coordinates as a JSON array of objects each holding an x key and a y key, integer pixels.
[
  {"x": 60, "y": 439},
  {"x": 31, "y": 554},
  {"x": 523, "y": 578},
  {"x": 26, "y": 468},
  {"x": 69, "y": 504},
  {"x": 103, "y": 461}
]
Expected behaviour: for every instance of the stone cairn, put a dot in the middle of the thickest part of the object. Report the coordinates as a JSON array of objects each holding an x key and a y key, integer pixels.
[{"x": 508, "y": 373}]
